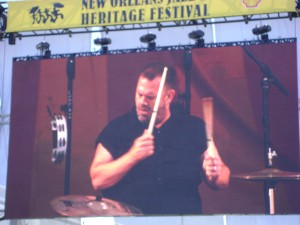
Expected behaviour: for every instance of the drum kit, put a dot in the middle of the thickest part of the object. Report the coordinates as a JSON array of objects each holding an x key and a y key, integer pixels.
[
  {"x": 270, "y": 177},
  {"x": 81, "y": 206},
  {"x": 269, "y": 174}
]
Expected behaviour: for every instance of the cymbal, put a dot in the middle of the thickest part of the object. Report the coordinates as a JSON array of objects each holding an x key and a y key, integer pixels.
[
  {"x": 269, "y": 174},
  {"x": 77, "y": 206}
]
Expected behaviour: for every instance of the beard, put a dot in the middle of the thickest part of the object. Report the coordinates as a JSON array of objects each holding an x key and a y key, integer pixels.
[{"x": 144, "y": 114}]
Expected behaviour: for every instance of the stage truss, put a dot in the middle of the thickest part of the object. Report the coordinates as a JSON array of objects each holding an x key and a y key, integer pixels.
[
  {"x": 149, "y": 26},
  {"x": 164, "y": 48}
]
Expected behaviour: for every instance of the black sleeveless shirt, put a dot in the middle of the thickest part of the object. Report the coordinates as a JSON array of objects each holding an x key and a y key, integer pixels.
[{"x": 166, "y": 182}]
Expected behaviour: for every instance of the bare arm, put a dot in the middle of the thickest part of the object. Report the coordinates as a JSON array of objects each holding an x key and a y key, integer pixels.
[
  {"x": 106, "y": 171},
  {"x": 216, "y": 172}
]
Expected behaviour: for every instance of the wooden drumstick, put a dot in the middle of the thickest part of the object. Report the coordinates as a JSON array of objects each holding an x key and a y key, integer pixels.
[
  {"x": 157, "y": 100},
  {"x": 208, "y": 116}
]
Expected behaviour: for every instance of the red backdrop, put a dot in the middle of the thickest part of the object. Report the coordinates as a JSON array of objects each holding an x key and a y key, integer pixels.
[{"x": 104, "y": 88}]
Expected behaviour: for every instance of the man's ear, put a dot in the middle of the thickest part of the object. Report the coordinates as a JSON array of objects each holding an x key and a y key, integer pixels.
[{"x": 170, "y": 95}]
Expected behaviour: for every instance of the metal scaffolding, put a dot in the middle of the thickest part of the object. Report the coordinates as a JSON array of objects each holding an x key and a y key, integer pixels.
[{"x": 159, "y": 25}]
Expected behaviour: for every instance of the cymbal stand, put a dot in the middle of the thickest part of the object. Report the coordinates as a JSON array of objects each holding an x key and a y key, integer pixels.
[
  {"x": 267, "y": 79},
  {"x": 69, "y": 112},
  {"x": 268, "y": 185}
]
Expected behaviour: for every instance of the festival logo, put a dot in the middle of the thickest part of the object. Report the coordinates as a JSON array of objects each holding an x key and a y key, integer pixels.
[
  {"x": 46, "y": 15},
  {"x": 251, "y": 3},
  {"x": 3, "y": 21}
]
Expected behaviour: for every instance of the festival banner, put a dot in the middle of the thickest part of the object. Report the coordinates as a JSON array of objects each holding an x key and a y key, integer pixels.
[{"x": 62, "y": 14}]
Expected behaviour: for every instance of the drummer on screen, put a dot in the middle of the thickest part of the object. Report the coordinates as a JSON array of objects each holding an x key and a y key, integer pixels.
[{"x": 156, "y": 171}]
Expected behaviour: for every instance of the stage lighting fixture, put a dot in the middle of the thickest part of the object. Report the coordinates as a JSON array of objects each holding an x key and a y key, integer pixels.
[
  {"x": 197, "y": 35},
  {"x": 12, "y": 38},
  {"x": 44, "y": 48},
  {"x": 262, "y": 31},
  {"x": 103, "y": 42},
  {"x": 149, "y": 39}
]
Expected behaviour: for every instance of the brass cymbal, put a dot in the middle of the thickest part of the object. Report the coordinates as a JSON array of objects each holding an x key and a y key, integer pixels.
[
  {"x": 269, "y": 174},
  {"x": 77, "y": 206}
]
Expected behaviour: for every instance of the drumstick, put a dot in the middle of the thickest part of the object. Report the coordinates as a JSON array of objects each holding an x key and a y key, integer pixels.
[
  {"x": 208, "y": 110},
  {"x": 208, "y": 116},
  {"x": 157, "y": 100}
]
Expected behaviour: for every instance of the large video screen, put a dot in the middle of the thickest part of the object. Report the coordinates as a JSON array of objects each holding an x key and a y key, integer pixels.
[{"x": 52, "y": 112}]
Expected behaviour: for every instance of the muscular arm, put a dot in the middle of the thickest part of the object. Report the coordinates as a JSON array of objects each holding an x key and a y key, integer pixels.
[{"x": 106, "y": 171}]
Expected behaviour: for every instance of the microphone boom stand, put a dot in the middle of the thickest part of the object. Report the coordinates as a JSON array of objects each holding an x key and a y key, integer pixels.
[{"x": 267, "y": 80}]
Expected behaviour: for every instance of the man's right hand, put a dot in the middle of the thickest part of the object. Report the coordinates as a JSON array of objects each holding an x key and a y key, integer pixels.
[
  {"x": 142, "y": 147},
  {"x": 106, "y": 171}
]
